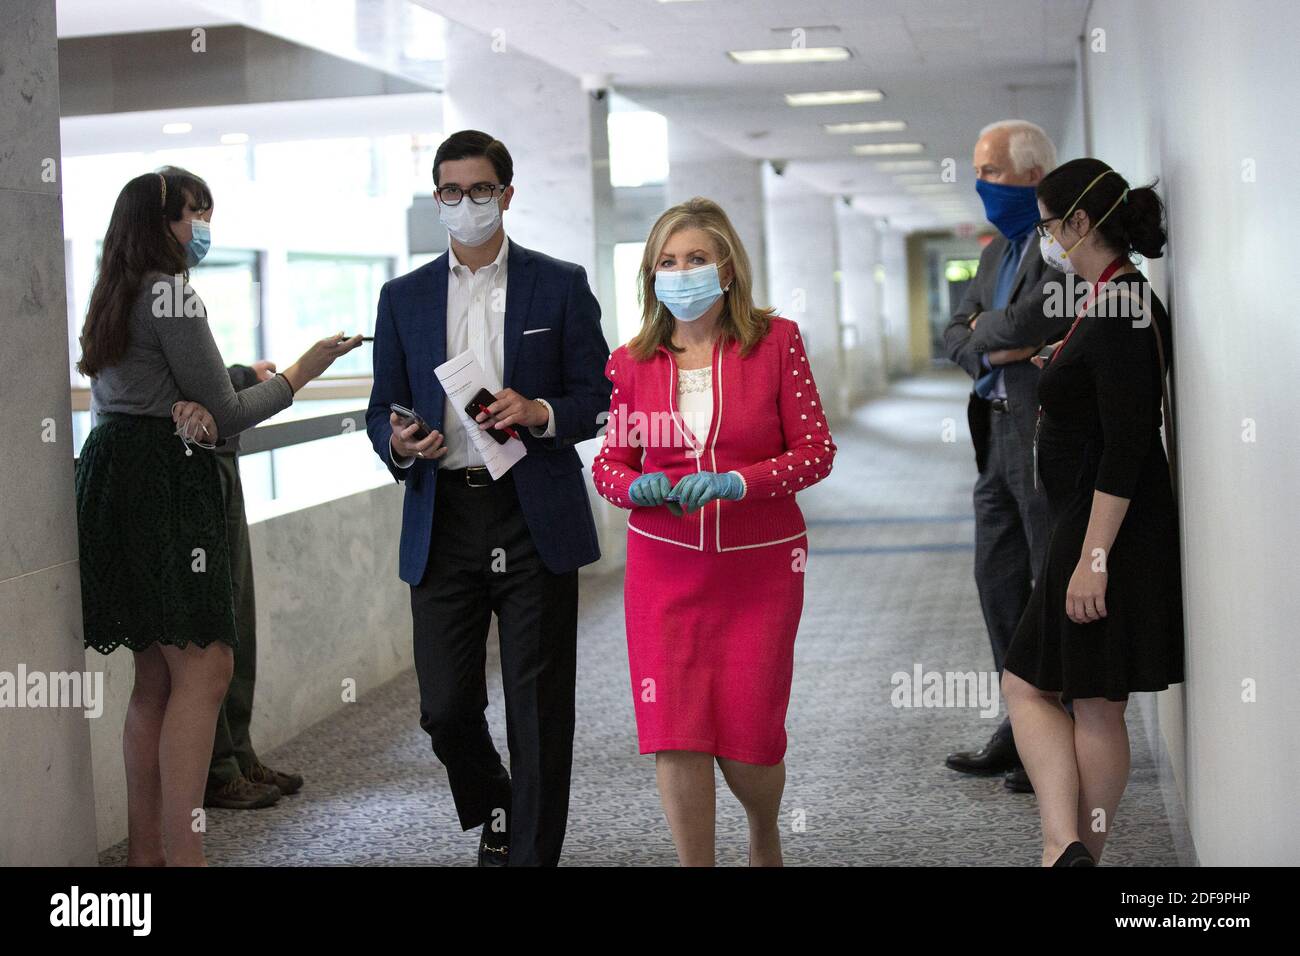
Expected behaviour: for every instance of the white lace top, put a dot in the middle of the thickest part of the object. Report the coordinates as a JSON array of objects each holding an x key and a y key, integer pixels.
[{"x": 695, "y": 399}]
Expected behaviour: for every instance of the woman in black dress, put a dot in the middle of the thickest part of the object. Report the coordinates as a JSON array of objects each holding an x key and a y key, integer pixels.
[{"x": 1105, "y": 618}]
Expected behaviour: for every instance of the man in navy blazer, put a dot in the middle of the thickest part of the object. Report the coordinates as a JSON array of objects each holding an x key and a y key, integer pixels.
[{"x": 472, "y": 546}]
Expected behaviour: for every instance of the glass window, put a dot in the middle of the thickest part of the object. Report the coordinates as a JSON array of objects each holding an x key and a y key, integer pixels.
[
  {"x": 228, "y": 282},
  {"x": 336, "y": 294},
  {"x": 627, "y": 289},
  {"x": 638, "y": 148},
  {"x": 306, "y": 474}
]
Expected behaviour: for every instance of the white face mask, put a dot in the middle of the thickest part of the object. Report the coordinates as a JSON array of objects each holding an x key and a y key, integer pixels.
[
  {"x": 469, "y": 223},
  {"x": 1054, "y": 254}
]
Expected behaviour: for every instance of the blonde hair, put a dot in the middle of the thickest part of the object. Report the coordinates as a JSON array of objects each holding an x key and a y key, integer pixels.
[{"x": 741, "y": 320}]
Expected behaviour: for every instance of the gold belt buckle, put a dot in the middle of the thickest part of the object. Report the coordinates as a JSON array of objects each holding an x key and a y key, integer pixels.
[{"x": 475, "y": 472}]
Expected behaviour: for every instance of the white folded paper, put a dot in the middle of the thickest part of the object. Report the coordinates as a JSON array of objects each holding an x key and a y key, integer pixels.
[{"x": 461, "y": 378}]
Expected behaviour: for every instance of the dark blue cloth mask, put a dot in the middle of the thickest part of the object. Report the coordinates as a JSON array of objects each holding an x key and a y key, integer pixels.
[{"x": 1013, "y": 210}]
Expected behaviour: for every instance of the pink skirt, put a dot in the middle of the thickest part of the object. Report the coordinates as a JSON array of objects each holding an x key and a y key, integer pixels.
[{"x": 710, "y": 643}]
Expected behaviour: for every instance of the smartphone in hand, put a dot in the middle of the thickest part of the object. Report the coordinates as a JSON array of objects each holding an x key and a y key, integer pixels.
[
  {"x": 409, "y": 417},
  {"x": 479, "y": 404}
]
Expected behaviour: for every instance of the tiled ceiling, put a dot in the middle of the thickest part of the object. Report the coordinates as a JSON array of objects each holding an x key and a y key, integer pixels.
[{"x": 946, "y": 67}]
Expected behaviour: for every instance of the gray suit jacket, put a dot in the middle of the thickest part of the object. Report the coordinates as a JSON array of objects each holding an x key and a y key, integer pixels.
[{"x": 1023, "y": 322}]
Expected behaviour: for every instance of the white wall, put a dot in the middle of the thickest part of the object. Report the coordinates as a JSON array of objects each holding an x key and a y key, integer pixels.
[{"x": 1203, "y": 93}]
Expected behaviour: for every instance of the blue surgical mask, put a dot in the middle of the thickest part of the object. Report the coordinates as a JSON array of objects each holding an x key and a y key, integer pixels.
[
  {"x": 1012, "y": 210},
  {"x": 688, "y": 293},
  {"x": 200, "y": 242}
]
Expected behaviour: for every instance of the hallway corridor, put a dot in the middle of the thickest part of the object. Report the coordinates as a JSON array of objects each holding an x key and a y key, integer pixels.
[{"x": 889, "y": 586}]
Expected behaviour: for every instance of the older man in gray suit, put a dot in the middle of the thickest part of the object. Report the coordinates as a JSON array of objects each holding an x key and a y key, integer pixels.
[{"x": 1002, "y": 322}]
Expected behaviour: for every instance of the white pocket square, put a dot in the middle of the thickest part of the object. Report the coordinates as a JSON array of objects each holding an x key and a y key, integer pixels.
[{"x": 535, "y": 331}]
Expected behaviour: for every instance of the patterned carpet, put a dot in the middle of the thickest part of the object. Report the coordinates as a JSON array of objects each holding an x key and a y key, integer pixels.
[{"x": 889, "y": 586}]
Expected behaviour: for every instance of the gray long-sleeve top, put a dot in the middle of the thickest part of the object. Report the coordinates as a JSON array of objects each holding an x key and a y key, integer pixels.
[{"x": 172, "y": 356}]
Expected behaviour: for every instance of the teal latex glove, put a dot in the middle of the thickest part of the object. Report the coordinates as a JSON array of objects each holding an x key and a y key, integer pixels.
[
  {"x": 696, "y": 490},
  {"x": 649, "y": 490}
]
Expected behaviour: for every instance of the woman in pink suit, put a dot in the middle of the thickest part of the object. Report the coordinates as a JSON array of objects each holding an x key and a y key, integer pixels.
[{"x": 714, "y": 425}]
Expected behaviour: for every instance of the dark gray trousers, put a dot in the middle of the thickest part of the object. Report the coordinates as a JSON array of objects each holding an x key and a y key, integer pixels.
[{"x": 1011, "y": 530}]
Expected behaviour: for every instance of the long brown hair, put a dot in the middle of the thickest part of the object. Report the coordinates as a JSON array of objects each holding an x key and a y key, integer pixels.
[
  {"x": 741, "y": 320},
  {"x": 138, "y": 244}
]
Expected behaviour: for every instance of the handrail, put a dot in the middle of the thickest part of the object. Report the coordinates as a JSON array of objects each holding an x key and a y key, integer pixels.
[
  {"x": 325, "y": 388},
  {"x": 300, "y": 430}
]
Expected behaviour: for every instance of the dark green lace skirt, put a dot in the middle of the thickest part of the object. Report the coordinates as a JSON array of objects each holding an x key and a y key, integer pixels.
[{"x": 155, "y": 565}]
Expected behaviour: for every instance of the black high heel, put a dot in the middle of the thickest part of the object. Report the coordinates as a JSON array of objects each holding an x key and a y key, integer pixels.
[{"x": 1076, "y": 854}]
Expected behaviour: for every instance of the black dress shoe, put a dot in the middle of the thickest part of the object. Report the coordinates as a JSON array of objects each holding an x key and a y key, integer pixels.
[
  {"x": 493, "y": 847},
  {"x": 1017, "y": 781},
  {"x": 997, "y": 756},
  {"x": 1076, "y": 854}
]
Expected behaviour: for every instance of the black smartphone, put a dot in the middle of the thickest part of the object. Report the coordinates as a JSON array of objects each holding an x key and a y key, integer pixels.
[
  {"x": 479, "y": 404},
  {"x": 410, "y": 416},
  {"x": 364, "y": 338}
]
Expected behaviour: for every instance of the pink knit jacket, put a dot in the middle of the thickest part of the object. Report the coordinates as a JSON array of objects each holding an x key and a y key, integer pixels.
[{"x": 768, "y": 425}]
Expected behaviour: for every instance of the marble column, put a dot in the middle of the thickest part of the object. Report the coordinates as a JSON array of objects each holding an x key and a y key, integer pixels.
[
  {"x": 858, "y": 242},
  {"x": 698, "y": 167},
  {"x": 45, "y": 763},
  {"x": 801, "y": 270},
  {"x": 557, "y": 134}
]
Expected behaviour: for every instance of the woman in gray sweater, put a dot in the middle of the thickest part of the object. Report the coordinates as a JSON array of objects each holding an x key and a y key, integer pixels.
[{"x": 155, "y": 568}]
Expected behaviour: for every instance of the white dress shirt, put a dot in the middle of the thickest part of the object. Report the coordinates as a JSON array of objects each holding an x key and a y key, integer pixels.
[{"x": 476, "y": 319}]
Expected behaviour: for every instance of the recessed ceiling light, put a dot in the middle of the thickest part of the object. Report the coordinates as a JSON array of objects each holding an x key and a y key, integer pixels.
[
  {"x": 175, "y": 129},
  {"x": 233, "y": 139},
  {"x": 887, "y": 149},
  {"x": 901, "y": 165},
  {"x": 790, "y": 54},
  {"x": 834, "y": 98},
  {"x": 868, "y": 126},
  {"x": 910, "y": 178}
]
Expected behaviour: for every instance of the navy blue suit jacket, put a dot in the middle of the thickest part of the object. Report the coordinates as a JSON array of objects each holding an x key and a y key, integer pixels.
[{"x": 565, "y": 366}]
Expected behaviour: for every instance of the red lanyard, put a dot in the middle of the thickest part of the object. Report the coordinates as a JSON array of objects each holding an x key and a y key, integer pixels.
[{"x": 1109, "y": 271}]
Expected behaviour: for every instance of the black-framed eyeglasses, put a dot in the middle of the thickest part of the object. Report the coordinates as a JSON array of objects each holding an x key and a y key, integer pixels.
[
  {"x": 480, "y": 193},
  {"x": 1040, "y": 227}
]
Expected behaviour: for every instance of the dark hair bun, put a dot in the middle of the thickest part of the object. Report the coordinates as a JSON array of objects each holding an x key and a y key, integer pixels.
[
  {"x": 1126, "y": 223},
  {"x": 1142, "y": 217}
]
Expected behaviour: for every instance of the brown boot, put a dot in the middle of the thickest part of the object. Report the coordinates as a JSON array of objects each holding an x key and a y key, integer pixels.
[
  {"x": 241, "y": 794},
  {"x": 286, "y": 783}
]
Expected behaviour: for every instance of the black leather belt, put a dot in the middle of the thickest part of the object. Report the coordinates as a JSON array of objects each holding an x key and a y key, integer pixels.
[
  {"x": 476, "y": 476},
  {"x": 999, "y": 405}
]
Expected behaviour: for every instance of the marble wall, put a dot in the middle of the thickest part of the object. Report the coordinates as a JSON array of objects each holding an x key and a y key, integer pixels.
[
  {"x": 546, "y": 121},
  {"x": 858, "y": 241},
  {"x": 736, "y": 184},
  {"x": 801, "y": 264},
  {"x": 45, "y": 768}
]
